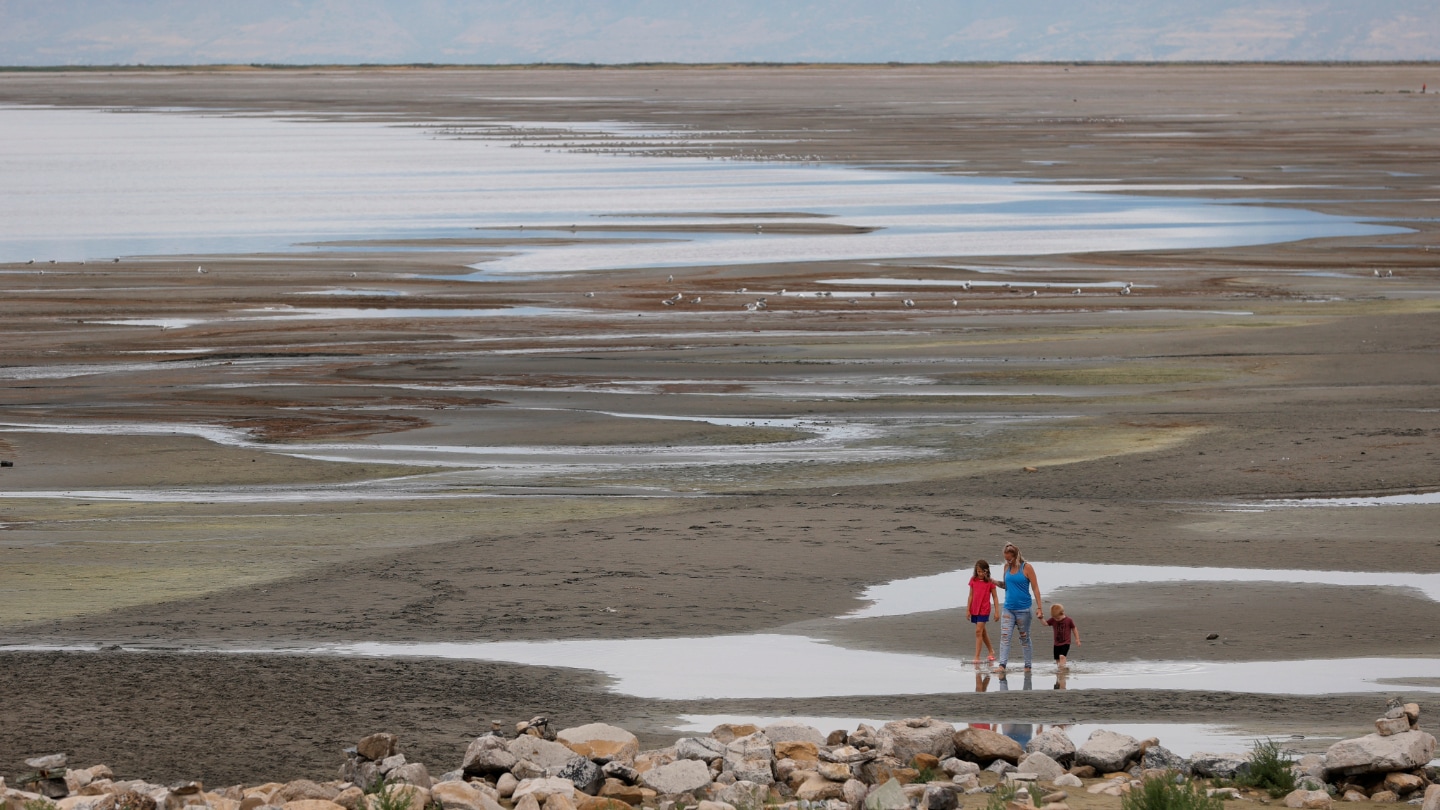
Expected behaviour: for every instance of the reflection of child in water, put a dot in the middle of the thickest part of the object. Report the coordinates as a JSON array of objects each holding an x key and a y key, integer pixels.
[{"x": 1065, "y": 631}]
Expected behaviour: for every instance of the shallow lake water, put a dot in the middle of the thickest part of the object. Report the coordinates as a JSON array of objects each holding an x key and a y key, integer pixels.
[{"x": 91, "y": 184}]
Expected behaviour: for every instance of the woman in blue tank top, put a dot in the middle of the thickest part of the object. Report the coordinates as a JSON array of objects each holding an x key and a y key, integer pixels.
[{"x": 1019, "y": 582}]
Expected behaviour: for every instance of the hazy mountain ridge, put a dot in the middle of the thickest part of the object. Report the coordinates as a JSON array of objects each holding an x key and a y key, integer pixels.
[{"x": 94, "y": 32}]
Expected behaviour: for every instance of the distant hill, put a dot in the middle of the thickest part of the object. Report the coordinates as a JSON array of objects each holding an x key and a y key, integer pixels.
[{"x": 158, "y": 32}]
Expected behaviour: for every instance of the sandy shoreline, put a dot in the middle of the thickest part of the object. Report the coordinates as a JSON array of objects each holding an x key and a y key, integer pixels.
[{"x": 1155, "y": 422}]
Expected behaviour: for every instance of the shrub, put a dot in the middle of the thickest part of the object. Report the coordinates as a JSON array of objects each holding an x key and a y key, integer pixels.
[
  {"x": 1169, "y": 793},
  {"x": 1003, "y": 795},
  {"x": 929, "y": 775},
  {"x": 389, "y": 797},
  {"x": 1270, "y": 769},
  {"x": 41, "y": 804}
]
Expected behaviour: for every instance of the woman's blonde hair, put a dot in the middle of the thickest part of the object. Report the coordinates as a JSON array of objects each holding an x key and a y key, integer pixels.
[{"x": 1019, "y": 558}]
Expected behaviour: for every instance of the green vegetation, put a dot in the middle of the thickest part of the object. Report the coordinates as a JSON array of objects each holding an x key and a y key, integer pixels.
[
  {"x": 389, "y": 796},
  {"x": 929, "y": 775},
  {"x": 1169, "y": 793},
  {"x": 1003, "y": 795},
  {"x": 1270, "y": 769},
  {"x": 41, "y": 804}
]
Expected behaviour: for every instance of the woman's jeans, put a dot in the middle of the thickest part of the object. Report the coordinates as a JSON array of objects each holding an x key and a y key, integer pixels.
[{"x": 1012, "y": 621}]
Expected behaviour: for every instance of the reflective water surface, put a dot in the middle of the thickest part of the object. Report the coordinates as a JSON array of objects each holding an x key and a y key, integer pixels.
[{"x": 87, "y": 184}]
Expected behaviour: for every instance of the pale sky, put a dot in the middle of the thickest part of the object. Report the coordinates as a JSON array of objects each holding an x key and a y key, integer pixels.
[{"x": 159, "y": 32}]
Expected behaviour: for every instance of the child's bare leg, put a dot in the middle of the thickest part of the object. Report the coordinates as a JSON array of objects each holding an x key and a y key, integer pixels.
[
  {"x": 979, "y": 630},
  {"x": 985, "y": 634},
  {"x": 1062, "y": 662}
]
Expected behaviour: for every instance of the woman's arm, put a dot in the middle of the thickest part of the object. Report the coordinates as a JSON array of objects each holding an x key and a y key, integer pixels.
[{"x": 1035, "y": 587}]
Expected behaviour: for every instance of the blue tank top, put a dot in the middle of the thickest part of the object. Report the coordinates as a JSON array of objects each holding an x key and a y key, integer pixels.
[{"x": 1017, "y": 590}]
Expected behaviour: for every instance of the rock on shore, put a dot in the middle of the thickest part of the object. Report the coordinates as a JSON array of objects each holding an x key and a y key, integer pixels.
[{"x": 915, "y": 764}]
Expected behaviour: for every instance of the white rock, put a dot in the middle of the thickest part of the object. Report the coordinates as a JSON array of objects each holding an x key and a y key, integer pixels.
[
  {"x": 1432, "y": 795},
  {"x": 680, "y": 776},
  {"x": 1068, "y": 780}
]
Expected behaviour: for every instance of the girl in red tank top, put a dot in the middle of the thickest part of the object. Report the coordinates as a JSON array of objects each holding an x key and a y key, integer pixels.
[{"x": 983, "y": 603}]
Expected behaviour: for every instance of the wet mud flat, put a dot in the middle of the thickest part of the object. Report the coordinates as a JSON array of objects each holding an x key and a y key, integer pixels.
[{"x": 293, "y": 447}]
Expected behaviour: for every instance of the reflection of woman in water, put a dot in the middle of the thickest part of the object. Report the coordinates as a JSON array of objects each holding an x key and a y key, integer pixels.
[{"x": 1019, "y": 581}]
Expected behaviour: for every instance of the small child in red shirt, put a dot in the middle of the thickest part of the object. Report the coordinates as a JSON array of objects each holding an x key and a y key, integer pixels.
[
  {"x": 1065, "y": 631},
  {"x": 984, "y": 602}
]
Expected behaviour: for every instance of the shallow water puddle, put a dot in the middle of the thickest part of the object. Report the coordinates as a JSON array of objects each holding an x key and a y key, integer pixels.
[
  {"x": 90, "y": 184},
  {"x": 772, "y": 665},
  {"x": 948, "y": 591},
  {"x": 341, "y": 314},
  {"x": 1407, "y": 499}
]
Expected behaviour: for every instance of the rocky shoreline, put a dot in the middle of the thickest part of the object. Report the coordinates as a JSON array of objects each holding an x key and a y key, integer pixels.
[{"x": 914, "y": 764}]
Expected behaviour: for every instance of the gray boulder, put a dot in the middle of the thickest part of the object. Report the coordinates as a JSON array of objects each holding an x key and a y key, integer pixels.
[
  {"x": 1106, "y": 751},
  {"x": 1053, "y": 743},
  {"x": 1218, "y": 766},
  {"x": 744, "y": 795},
  {"x": 1376, "y": 754},
  {"x": 959, "y": 767},
  {"x": 584, "y": 774},
  {"x": 903, "y": 739},
  {"x": 540, "y": 751},
  {"x": 939, "y": 797},
  {"x": 1044, "y": 768},
  {"x": 793, "y": 732},
  {"x": 887, "y": 796},
  {"x": 1160, "y": 758},
  {"x": 486, "y": 756},
  {"x": 681, "y": 776},
  {"x": 751, "y": 759},
  {"x": 985, "y": 746},
  {"x": 706, "y": 749},
  {"x": 412, "y": 773},
  {"x": 621, "y": 771}
]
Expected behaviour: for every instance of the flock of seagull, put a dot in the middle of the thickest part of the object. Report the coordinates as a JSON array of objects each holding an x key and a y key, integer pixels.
[{"x": 762, "y": 302}]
